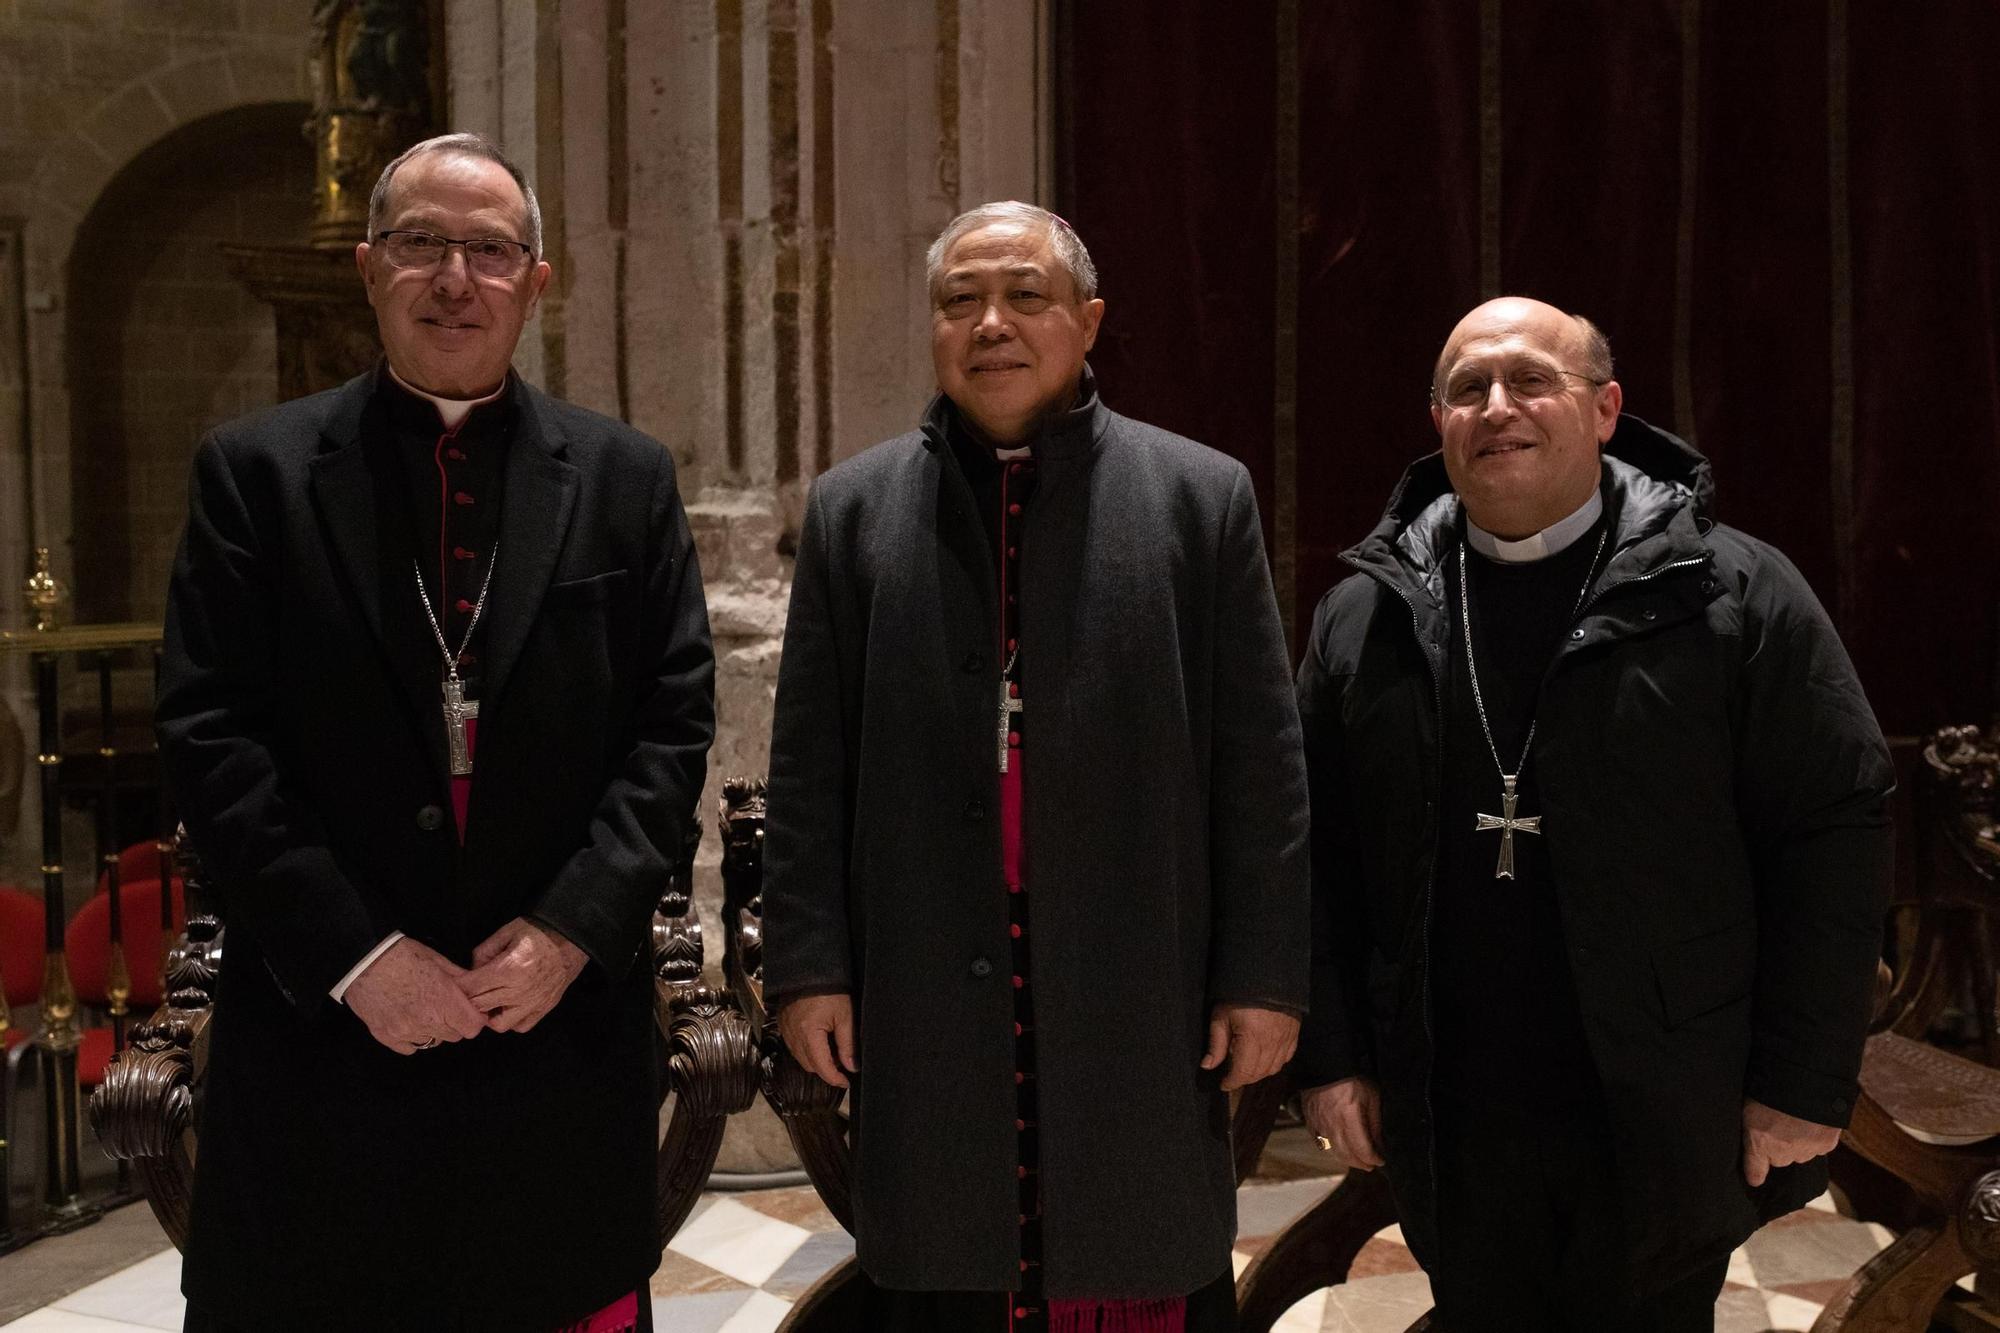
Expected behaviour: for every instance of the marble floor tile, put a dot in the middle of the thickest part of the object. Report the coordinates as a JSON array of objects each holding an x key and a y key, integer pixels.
[
  {"x": 51, "y": 1320},
  {"x": 1381, "y": 1258},
  {"x": 1789, "y": 1314},
  {"x": 801, "y": 1207},
  {"x": 1308, "y": 1316},
  {"x": 679, "y": 1275},
  {"x": 762, "y": 1313},
  {"x": 739, "y": 1241},
  {"x": 1263, "y": 1210},
  {"x": 148, "y": 1293},
  {"x": 1377, "y": 1304},
  {"x": 1742, "y": 1310},
  {"x": 705, "y": 1313},
  {"x": 809, "y": 1263},
  {"x": 1833, "y": 1248}
]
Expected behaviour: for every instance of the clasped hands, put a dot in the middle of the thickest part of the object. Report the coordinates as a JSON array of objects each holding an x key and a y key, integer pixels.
[
  {"x": 1348, "y": 1114},
  {"x": 1256, "y": 1043},
  {"x": 413, "y": 997}
]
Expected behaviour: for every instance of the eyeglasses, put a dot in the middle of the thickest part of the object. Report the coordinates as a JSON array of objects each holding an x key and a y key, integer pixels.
[
  {"x": 488, "y": 256},
  {"x": 1524, "y": 384}
]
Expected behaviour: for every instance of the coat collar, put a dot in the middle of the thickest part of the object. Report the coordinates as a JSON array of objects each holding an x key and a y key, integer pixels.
[
  {"x": 358, "y": 485},
  {"x": 1657, "y": 490},
  {"x": 1067, "y": 434}
]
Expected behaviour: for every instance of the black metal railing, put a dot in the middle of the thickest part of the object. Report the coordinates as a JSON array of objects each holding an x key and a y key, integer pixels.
[{"x": 59, "y": 1035}]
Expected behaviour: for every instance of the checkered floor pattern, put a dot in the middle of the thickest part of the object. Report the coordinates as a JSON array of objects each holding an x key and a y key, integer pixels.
[{"x": 742, "y": 1260}]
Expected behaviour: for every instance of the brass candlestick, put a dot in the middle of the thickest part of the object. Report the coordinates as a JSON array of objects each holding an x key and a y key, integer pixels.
[{"x": 45, "y": 594}]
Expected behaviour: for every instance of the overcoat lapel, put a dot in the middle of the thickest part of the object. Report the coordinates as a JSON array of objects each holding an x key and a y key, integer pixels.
[
  {"x": 361, "y": 498},
  {"x": 537, "y": 503}
]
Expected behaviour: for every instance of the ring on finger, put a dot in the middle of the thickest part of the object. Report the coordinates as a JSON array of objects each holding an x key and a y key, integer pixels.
[{"x": 427, "y": 1043}]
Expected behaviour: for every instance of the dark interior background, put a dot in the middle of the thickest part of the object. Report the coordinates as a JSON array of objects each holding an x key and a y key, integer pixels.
[{"x": 1786, "y": 216}]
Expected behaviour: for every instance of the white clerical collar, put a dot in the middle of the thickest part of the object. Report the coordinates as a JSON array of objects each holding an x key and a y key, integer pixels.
[
  {"x": 450, "y": 410},
  {"x": 1541, "y": 545}
]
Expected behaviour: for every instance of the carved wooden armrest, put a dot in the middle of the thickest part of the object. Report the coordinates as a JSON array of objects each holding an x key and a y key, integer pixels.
[
  {"x": 809, "y": 1106},
  {"x": 143, "y": 1112}
]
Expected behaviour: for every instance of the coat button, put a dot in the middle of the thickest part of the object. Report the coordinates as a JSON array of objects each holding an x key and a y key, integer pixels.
[
  {"x": 972, "y": 662},
  {"x": 974, "y": 811},
  {"x": 430, "y": 818},
  {"x": 981, "y": 968}
]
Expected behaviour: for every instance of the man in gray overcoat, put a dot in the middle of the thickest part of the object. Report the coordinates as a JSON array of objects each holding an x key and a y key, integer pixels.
[{"x": 1035, "y": 880}]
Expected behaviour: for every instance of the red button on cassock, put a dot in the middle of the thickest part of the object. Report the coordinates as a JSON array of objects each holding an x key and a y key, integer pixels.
[
  {"x": 1016, "y": 930},
  {"x": 1018, "y": 983},
  {"x": 1014, "y": 510},
  {"x": 463, "y": 606},
  {"x": 461, "y": 498},
  {"x": 455, "y": 455},
  {"x": 463, "y": 554}
]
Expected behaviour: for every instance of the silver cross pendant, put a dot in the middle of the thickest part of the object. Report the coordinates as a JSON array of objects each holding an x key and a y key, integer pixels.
[
  {"x": 1508, "y": 826},
  {"x": 457, "y": 711}
]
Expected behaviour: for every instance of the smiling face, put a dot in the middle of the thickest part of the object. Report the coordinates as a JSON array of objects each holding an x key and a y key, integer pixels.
[
  {"x": 1517, "y": 465},
  {"x": 1008, "y": 334},
  {"x": 446, "y": 329}
]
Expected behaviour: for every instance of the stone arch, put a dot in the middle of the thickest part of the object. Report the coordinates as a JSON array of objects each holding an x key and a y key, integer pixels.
[
  {"x": 161, "y": 343},
  {"x": 79, "y": 165}
]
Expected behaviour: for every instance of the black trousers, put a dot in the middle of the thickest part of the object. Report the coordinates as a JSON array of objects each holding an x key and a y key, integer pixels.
[
  {"x": 1212, "y": 1309},
  {"x": 1530, "y": 1233}
]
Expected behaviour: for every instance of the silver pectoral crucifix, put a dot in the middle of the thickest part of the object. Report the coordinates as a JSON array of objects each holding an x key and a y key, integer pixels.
[
  {"x": 457, "y": 712},
  {"x": 1508, "y": 826},
  {"x": 1010, "y": 704}
]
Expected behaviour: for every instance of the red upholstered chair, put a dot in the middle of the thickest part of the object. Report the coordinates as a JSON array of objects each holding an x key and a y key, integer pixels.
[
  {"x": 140, "y": 861},
  {"x": 89, "y": 942},
  {"x": 21, "y": 953}
]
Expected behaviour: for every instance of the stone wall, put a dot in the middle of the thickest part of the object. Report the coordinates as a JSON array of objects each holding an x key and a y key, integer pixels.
[
  {"x": 92, "y": 87},
  {"x": 738, "y": 195}
]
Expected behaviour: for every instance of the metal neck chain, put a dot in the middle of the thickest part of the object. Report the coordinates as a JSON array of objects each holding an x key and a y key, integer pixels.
[
  {"x": 1472, "y": 666},
  {"x": 451, "y": 658}
]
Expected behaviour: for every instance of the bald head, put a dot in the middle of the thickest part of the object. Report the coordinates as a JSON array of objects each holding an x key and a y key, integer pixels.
[
  {"x": 1581, "y": 342},
  {"x": 1523, "y": 398}
]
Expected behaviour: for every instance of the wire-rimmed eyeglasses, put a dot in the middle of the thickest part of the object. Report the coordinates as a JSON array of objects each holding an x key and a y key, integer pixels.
[
  {"x": 488, "y": 256},
  {"x": 1524, "y": 384}
]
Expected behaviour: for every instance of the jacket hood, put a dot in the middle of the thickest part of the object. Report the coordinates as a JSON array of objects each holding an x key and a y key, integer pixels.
[{"x": 1658, "y": 489}]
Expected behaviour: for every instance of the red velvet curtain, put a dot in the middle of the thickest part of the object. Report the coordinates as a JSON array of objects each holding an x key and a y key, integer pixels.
[{"x": 1786, "y": 215}]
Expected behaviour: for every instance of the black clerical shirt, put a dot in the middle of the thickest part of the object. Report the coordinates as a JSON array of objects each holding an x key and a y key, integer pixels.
[
  {"x": 1508, "y": 1027},
  {"x": 454, "y": 480}
]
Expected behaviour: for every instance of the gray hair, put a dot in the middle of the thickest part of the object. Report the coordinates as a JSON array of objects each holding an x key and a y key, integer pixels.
[
  {"x": 1062, "y": 238},
  {"x": 465, "y": 145},
  {"x": 1596, "y": 350}
]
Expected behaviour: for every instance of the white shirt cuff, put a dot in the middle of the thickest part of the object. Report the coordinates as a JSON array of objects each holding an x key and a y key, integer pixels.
[{"x": 339, "y": 991}]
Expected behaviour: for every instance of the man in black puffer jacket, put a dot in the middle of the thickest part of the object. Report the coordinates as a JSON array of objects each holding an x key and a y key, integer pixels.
[{"x": 1598, "y": 886}]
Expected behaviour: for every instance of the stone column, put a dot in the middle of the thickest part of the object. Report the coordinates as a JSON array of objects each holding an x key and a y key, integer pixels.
[{"x": 737, "y": 196}]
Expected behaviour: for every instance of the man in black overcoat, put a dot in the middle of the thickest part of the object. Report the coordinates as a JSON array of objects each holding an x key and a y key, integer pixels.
[
  {"x": 435, "y": 705},
  {"x": 1600, "y": 854},
  {"x": 1035, "y": 880}
]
